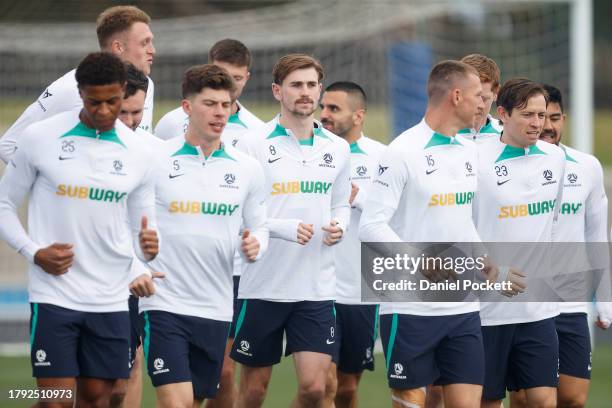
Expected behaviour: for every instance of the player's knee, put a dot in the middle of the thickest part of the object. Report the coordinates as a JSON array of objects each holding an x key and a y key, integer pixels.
[
  {"x": 118, "y": 394},
  {"x": 572, "y": 401},
  {"x": 227, "y": 375},
  {"x": 331, "y": 386},
  {"x": 408, "y": 398},
  {"x": 312, "y": 393},
  {"x": 346, "y": 392},
  {"x": 545, "y": 402},
  {"x": 518, "y": 399},
  {"x": 254, "y": 394}
]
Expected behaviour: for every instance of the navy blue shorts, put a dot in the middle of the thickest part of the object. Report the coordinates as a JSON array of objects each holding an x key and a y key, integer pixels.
[
  {"x": 308, "y": 326},
  {"x": 180, "y": 348},
  {"x": 236, "y": 306},
  {"x": 439, "y": 350},
  {"x": 520, "y": 356},
  {"x": 135, "y": 325},
  {"x": 574, "y": 345},
  {"x": 70, "y": 343},
  {"x": 356, "y": 332}
]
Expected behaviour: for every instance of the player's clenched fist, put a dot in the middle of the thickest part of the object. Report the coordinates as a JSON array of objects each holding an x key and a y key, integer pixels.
[
  {"x": 143, "y": 285},
  {"x": 149, "y": 243},
  {"x": 304, "y": 233},
  {"x": 55, "y": 259},
  {"x": 334, "y": 233},
  {"x": 249, "y": 246}
]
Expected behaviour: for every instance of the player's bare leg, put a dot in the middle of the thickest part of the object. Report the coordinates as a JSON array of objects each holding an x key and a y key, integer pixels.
[
  {"x": 573, "y": 392},
  {"x": 411, "y": 398},
  {"x": 462, "y": 395},
  {"x": 541, "y": 397},
  {"x": 346, "y": 394},
  {"x": 435, "y": 397},
  {"x": 311, "y": 369},
  {"x": 133, "y": 396},
  {"x": 331, "y": 387},
  {"x": 119, "y": 393},
  {"x": 58, "y": 384},
  {"x": 177, "y": 395},
  {"x": 253, "y": 386},
  {"x": 93, "y": 392},
  {"x": 518, "y": 399}
]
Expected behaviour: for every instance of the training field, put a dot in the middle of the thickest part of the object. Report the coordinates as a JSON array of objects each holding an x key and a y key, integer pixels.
[{"x": 15, "y": 373}]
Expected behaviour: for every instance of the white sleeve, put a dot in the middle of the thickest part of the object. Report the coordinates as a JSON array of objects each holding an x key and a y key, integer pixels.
[
  {"x": 385, "y": 193},
  {"x": 169, "y": 127},
  {"x": 341, "y": 193},
  {"x": 58, "y": 97},
  {"x": 141, "y": 202},
  {"x": 360, "y": 198},
  {"x": 254, "y": 213},
  {"x": 18, "y": 179}
]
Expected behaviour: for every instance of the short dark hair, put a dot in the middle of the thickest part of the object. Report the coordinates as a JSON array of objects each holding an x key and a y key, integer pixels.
[
  {"x": 100, "y": 68},
  {"x": 231, "y": 51},
  {"x": 207, "y": 76},
  {"x": 136, "y": 80},
  {"x": 554, "y": 95},
  {"x": 515, "y": 93},
  {"x": 292, "y": 62},
  {"x": 116, "y": 20},
  {"x": 350, "y": 88},
  {"x": 443, "y": 77}
]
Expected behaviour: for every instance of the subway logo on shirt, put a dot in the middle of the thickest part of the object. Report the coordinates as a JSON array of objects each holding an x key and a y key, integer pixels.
[
  {"x": 89, "y": 193},
  {"x": 197, "y": 207},
  {"x": 526, "y": 210},
  {"x": 303, "y": 187},
  {"x": 447, "y": 199},
  {"x": 570, "y": 208}
]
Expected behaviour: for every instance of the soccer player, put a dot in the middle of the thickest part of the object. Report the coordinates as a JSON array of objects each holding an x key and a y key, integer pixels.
[
  {"x": 131, "y": 112},
  {"x": 87, "y": 174},
  {"x": 343, "y": 112},
  {"x": 485, "y": 126},
  {"x": 291, "y": 289},
  {"x": 205, "y": 191},
  {"x": 583, "y": 217},
  {"x": 123, "y": 31},
  {"x": 521, "y": 347},
  {"x": 235, "y": 57},
  {"x": 421, "y": 340}
]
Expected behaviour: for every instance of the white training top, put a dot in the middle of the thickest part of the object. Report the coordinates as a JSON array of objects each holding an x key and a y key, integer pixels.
[
  {"x": 491, "y": 129},
  {"x": 61, "y": 96},
  {"x": 86, "y": 188},
  {"x": 302, "y": 185},
  {"x": 365, "y": 153},
  {"x": 175, "y": 123},
  {"x": 201, "y": 204},
  {"x": 423, "y": 193},
  {"x": 583, "y": 216},
  {"x": 518, "y": 192}
]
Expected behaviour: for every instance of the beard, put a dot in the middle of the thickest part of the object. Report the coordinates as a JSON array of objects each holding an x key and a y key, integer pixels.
[{"x": 337, "y": 128}]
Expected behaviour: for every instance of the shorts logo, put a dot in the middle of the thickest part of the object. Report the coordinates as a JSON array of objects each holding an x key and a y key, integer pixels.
[
  {"x": 244, "y": 348},
  {"x": 158, "y": 364},
  {"x": 41, "y": 356},
  {"x": 398, "y": 369}
]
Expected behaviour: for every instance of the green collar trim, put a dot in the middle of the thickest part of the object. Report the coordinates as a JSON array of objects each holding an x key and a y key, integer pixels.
[
  {"x": 281, "y": 131},
  {"x": 307, "y": 142},
  {"x": 235, "y": 119},
  {"x": 186, "y": 150},
  {"x": 465, "y": 131},
  {"x": 510, "y": 152},
  {"x": 438, "y": 139},
  {"x": 83, "y": 130},
  {"x": 189, "y": 150},
  {"x": 488, "y": 128},
  {"x": 356, "y": 149}
]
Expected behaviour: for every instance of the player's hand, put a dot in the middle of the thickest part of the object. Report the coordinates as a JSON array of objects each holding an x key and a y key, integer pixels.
[
  {"x": 517, "y": 283},
  {"x": 602, "y": 324},
  {"x": 149, "y": 243},
  {"x": 304, "y": 233},
  {"x": 435, "y": 274},
  {"x": 250, "y": 245},
  {"x": 55, "y": 259},
  {"x": 143, "y": 285},
  {"x": 354, "y": 191},
  {"x": 334, "y": 233}
]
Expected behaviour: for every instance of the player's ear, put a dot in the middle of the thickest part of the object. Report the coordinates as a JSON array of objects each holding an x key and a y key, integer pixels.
[
  {"x": 501, "y": 113},
  {"x": 116, "y": 47},
  {"x": 276, "y": 91},
  {"x": 359, "y": 116},
  {"x": 186, "y": 103},
  {"x": 455, "y": 96},
  {"x": 248, "y": 76}
]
